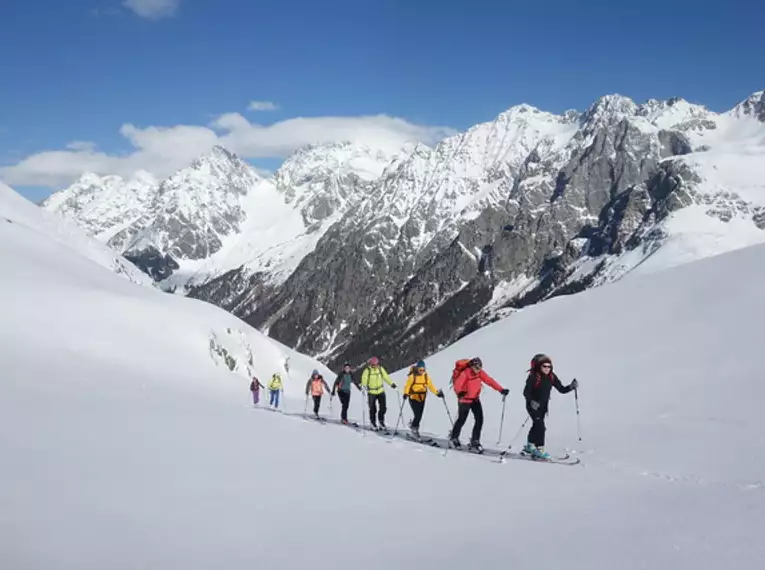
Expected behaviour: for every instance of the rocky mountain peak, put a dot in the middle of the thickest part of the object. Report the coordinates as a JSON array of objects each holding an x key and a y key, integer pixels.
[
  {"x": 610, "y": 109},
  {"x": 752, "y": 106}
]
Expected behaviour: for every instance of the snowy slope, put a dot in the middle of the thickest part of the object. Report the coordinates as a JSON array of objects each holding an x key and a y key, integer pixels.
[
  {"x": 125, "y": 448},
  {"x": 15, "y": 209},
  {"x": 56, "y": 299}
]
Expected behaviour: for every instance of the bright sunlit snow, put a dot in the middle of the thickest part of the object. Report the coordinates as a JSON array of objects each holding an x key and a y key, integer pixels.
[{"x": 127, "y": 443}]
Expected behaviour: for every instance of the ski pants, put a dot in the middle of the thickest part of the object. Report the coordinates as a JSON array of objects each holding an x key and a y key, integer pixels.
[
  {"x": 345, "y": 400},
  {"x": 255, "y": 396},
  {"x": 274, "y": 398},
  {"x": 417, "y": 409},
  {"x": 537, "y": 431},
  {"x": 373, "y": 400},
  {"x": 463, "y": 409},
  {"x": 316, "y": 404}
]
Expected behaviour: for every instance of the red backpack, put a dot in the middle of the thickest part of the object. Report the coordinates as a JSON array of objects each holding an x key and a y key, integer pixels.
[{"x": 459, "y": 366}]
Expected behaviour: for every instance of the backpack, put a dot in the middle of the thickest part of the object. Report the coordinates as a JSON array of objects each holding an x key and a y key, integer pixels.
[{"x": 459, "y": 366}]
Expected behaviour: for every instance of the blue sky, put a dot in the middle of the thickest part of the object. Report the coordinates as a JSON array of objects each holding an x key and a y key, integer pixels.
[{"x": 129, "y": 84}]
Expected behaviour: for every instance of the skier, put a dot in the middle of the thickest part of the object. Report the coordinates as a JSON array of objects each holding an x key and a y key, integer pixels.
[
  {"x": 417, "y": 385},
  {"x": 316, "y": 385},
  {"x": 372, "y": 380},
  {"x": 539, "y": 384},
  {"x": 274, "y": 387},
  {"x": 342, "y": 387},
  {"x": 255, "y": 387},
  {"x": 468, "y": 389}
]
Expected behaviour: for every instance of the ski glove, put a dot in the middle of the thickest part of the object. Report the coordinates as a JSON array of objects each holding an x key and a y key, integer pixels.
[
  {"x": 461, "y": 394},
  {"x": 440, "y": 394},
  {"x": 534, "y": 405},
  {"x": 406, "y": 396},
  {"x": 574, "y": 384},
  {"x": 505, "y": 391},
  {"x": 393, "y": 386}
]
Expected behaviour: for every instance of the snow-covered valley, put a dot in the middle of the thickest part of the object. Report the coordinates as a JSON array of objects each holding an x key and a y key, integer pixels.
[{"x": 127, "y": 443}]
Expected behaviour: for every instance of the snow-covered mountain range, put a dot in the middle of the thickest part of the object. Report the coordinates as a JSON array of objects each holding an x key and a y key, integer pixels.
[{"x": 347, "y": 250}]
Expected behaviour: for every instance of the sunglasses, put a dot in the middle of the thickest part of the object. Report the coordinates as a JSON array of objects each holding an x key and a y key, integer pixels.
[{"x": 546, "y": 366}]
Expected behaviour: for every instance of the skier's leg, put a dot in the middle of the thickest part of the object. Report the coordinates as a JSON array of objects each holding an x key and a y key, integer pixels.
[
  {"x": 372, "y": 401},
  {"x": 383, "y": 409},
  {"x": 477, "y": 410},
  {"x": 345, "y": 399},
  {"x": 462, "y": 413},
  {"x": 417, "y": 409},
  {"x": 316, "y": 404}
]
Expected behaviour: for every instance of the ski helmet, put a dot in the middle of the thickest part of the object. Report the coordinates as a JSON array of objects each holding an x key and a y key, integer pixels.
[{"x": 476, "y": 362}]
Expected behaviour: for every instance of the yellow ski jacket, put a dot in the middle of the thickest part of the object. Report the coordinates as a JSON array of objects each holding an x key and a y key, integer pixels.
[
  {"x": 417, "y": 386},
  {"x": 372, "y": 379}
]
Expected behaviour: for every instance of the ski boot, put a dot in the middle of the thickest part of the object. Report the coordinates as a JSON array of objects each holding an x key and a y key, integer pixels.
[
  {"x": 475, "y": 447},
  {"x": 455, "y": 443},
  {"x": 415, "y": 431},
  {"x": 541, "y": 453},
  {"x": 535, "y": 452}
]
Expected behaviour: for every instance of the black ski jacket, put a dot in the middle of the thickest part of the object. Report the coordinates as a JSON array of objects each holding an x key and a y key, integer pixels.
[{"x": 539, "y": 386}]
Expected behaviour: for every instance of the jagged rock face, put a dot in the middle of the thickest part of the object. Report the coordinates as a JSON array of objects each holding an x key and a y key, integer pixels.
[
  {"x": 194, "y": 210},
  {"x": 110, "y": 208},
  {"x": 426, "y": 250},
  {"x": 152, "y": 262}
]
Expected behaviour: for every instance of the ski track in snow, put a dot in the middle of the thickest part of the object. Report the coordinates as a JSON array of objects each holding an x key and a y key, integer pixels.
[{"x": 589, "y": 457}]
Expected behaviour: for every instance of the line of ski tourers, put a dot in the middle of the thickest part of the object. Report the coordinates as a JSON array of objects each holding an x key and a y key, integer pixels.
[{"x": 468, "y": 377}]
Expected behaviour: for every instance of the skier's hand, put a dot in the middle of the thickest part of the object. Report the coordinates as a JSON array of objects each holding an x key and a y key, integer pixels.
[
  {"x": 406, "y": 396},
  {"x": 534, "y": 405},
  {"x": 393, "y": 385},
  {"x": 440, "y": 394},
  {"x": 574, "y": 384},
  {"x": 461, "y": 394},
  {"x": 505, "y": 391}
]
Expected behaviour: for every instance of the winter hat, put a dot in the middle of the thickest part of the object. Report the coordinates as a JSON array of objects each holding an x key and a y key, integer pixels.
[
  {"x": 477, "y": 361},
  {"x": 315, "y": 373},
  {"x": 420, "y": 364},
  {"x": 374, "y": 361}
]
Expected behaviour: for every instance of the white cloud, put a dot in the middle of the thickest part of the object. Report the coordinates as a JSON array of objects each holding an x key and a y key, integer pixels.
[
  {"x": 164, "y": 150},
  {"x": 81, "y": 145},
  {"x": 153, "y": 9},
  {"x": 262, "y": 106}
]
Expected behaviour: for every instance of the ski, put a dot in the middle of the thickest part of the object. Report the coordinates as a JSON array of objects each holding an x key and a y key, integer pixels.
[
  {"x": 556, "y": 460},
  {"x": 423, "y": 440}
]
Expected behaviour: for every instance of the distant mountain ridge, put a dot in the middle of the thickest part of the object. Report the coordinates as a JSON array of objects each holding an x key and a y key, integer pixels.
[{"x": 347, "y": 251}]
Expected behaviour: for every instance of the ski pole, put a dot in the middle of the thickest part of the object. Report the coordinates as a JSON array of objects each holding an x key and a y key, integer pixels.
[
  {"x": 305, "y": 409},
  {"x": 447, "y": 412},
  {"x": 446, "y": 407},
  {"x": 578, "y": 424},
  {"x": 520, "y": 429},
  {"x": 363, "y": 414},
  {"x": 502, "y": 421},
  {"x": 400, "y": 413}
]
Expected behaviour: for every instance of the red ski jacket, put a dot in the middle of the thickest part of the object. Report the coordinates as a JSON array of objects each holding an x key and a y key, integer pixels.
[{"x": 470, "y": 383}]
